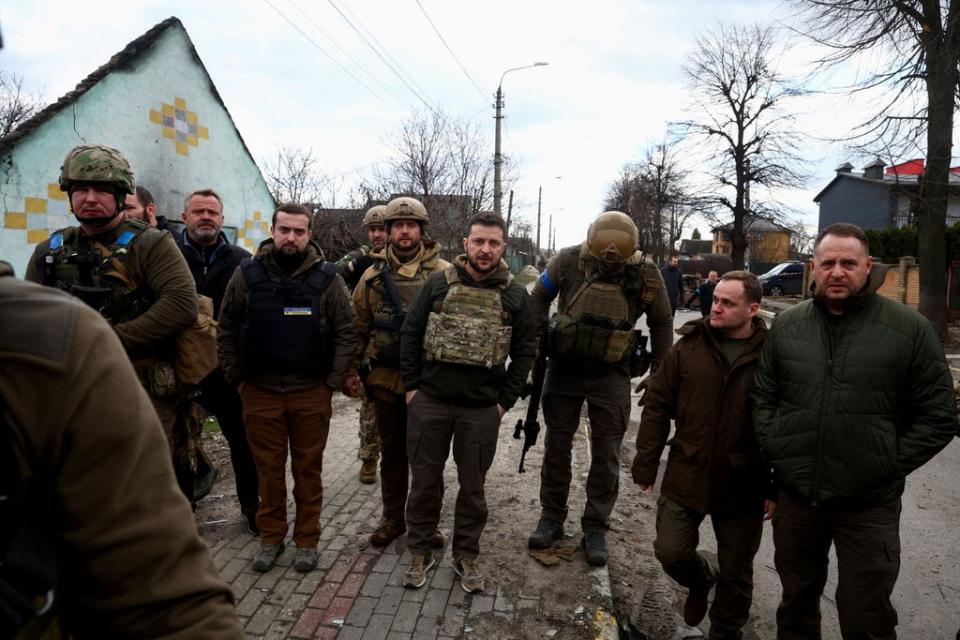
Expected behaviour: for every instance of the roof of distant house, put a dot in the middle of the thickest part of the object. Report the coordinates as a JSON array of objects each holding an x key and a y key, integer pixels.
[
  {"x": 754, "y": 223},
  {"x": 905, "y": 174},
  {"x": 695, "y": 247},
  {"x": 122, "y": 60}
]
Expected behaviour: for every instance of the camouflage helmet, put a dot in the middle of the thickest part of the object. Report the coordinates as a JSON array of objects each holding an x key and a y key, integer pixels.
[
  {"x": 405, "y": 208},
  {"x": 612, "y": 237},
  {"x": 374, "y": 215},
  {"x": 96, "y": 163}
]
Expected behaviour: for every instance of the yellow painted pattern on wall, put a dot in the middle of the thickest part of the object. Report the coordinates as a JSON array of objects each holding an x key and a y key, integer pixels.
[
  {"x": 180, "y": 125},
  {"x": 253, "y": 231},
  {"x": 40, "y": 215}
]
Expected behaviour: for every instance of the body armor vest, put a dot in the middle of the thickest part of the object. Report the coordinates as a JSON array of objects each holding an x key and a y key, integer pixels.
[
  {"x": 96, "y": 273},
  {"x": 596, "y": 325},
  {"x": 467, "y": 326},
  {"x": 285, "y": 328},
  {"x": 390, "y": 311}
]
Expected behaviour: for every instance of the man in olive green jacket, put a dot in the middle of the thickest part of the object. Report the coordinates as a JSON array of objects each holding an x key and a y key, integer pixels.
[
  {"x": 91, "y": 507},
  {"x": 287, "y": 336},
  {"x": 464, "y": 323},
  {"x": 852, "y": 394}
]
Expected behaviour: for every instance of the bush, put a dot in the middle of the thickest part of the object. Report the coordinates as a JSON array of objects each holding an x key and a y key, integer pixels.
[{"x": 890, "y": 244}]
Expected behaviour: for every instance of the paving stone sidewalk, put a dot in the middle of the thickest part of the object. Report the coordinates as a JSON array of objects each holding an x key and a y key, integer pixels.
[{"x": 356, "y": 592}]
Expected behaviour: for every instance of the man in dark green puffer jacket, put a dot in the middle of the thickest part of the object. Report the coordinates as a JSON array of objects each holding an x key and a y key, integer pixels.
[{"x": 851, "y": 395}]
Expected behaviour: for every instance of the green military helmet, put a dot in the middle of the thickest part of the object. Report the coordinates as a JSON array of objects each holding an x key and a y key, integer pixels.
[
  {"x": 612, "y": 237},
  {"x": 97, "y": 163},
  {"x": 374, "y": 215},
  {"x": 405, "y": 208}
]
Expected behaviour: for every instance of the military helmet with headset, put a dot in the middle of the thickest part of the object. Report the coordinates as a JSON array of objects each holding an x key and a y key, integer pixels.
[
  {"x": 102, "y": 166},
  {"x": 612, "y": 237}
]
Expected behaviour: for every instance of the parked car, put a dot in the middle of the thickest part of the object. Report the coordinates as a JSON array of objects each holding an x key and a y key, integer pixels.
[{"x": 785, "y": 279}]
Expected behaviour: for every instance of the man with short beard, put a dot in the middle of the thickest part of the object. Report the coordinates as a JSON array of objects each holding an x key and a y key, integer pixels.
[
  {"x": 140, "y": 205},
  {"x": 381, "y": 301},
  {"x": 287, "y": 337},
  {"x": 459, "y": 331},
  {"x": 212, "y": 260},
  {"x": 133, "y": 275}
]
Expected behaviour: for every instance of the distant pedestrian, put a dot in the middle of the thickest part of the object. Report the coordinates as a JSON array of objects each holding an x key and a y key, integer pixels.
[
  {"x": 464, "y": 324},
  {"x": 852, "y": 394},
  {"x": 287, "y": 335},
  {"x": 673, "y": 280},
  {"x": 715, "y": 467},
  {"x": 704, "y": 293}
]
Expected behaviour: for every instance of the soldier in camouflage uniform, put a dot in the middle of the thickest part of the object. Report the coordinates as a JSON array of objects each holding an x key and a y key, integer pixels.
[
  {"x": 381, "y": 300},
  {"x": 460, "y": 329},
  {"x": 132, "y": 274},
  {"x": 351, "y": 267},
  {"x": 604, "y": 286}
]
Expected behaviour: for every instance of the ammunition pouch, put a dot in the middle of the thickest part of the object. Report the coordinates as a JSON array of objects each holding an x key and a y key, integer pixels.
[
  {"x": 640, "y": 357},
  {"x": 387, "y": 356},
  {"x": 590, "y": 338},
  {"x": 158, "y": 378}
]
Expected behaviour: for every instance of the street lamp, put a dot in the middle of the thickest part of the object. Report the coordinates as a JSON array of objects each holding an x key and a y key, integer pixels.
[
  {"x": 497, "y": 159},
  {"x": 539, "y": 200}
]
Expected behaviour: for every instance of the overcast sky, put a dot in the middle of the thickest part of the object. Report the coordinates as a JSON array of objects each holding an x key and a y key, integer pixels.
[{"x": 613, "y": 82}]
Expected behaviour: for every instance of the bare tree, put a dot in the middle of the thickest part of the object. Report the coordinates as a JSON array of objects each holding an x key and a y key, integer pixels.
[
  {"x": 16, "y": 104},
  {"x": 294, "y": 176},
  {"x": 916, "y": 47},
  {"x": 444, "y": 162},
  {"x": 738, "y": 104},
  {"x": 657, "y": 196}
]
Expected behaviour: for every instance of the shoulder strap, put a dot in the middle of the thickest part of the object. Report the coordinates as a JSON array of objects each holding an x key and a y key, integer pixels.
[
  {"x": 451, "y": 275},
  {"x": 254, "y": 273},
  {"x": 320, "y": 276}
]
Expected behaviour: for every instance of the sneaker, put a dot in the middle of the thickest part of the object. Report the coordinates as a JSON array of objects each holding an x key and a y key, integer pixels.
[
  {"x": 439, "y": 541},
  {"x": 387, "y": 532},
  {"x": 368, "y": 472},
  {"x": 416, "y": 575},
  {"x": 695, "y": 606},
  {"x": 547, "y": 531},
  {"x": 249, "y": 514},
  {"x": 264, "y": 559},
  {"x": 594, "y": 545},
  {"x": 470, "y": 578},
  {"x": 306, "y": 559}
]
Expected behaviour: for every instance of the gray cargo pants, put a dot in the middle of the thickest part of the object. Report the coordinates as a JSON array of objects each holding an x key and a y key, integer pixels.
[
  {"x": 608, "y": 406},
  {"x": 431, "y": 424}
]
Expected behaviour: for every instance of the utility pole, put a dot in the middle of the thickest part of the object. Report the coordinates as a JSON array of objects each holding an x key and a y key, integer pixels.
[
  {"x": 539, "y": 200},
  {"x": 509, "y": 214},
  {"x": 549, "y": 233},
  {"x": 498, "y": 117}
]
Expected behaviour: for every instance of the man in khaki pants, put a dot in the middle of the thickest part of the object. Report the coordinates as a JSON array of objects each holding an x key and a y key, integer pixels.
[{"x": 287, "y": 335}]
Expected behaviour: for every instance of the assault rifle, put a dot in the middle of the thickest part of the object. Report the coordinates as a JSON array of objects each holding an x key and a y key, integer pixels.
[
  {"x": 530, "y": 427},
  {"x": 390, "y": 355}
]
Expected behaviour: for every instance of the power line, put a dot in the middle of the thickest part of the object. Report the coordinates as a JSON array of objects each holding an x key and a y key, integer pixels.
[
  {"x": 332, "y": 59},
  {"x": 348, "y": 56},
  {"x": 379, "y": 55},
  {"x": 450, "y": 51},
  {"x": 385, "y": 51}
]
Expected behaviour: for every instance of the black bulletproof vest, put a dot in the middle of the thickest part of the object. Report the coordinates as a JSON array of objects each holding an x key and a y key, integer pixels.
[{"x": 285, "y": 330}]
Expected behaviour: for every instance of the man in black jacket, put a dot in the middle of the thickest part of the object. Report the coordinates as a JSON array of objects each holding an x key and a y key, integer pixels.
[{"x": 212, "y": 260}]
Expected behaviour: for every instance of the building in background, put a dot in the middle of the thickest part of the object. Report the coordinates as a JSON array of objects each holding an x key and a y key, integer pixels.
[
  {"x": 880, "y": 196},
  {"x": 768, "y": 243},
  {"x": 156, "y": 103}
]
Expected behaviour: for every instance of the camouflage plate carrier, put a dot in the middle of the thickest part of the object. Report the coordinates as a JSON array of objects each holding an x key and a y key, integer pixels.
[{"x": 467, "y": 328}]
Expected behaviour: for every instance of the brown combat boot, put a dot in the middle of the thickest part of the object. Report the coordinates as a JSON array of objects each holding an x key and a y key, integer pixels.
[
  {"x": 368, "y": 472},
  {"x": 387, "y": 532}
]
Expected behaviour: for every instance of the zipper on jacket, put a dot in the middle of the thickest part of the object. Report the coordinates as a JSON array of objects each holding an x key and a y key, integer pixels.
[{"x": 824, "y": 390}]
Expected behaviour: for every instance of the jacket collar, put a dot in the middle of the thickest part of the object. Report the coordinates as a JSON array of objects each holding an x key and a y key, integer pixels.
[
  {"x": 499, "y": 278},
  {"x": 703, "y": 325}
]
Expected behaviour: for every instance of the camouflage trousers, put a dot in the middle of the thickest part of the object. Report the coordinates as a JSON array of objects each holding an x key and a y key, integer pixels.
[{"x": 369, "y": 435}]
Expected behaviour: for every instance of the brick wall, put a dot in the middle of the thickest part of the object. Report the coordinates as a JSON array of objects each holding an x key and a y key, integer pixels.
[{"x": 903, "y": 282}]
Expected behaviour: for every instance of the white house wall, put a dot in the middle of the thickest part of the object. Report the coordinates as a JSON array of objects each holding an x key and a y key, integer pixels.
[{"x": 162, "y": 114}]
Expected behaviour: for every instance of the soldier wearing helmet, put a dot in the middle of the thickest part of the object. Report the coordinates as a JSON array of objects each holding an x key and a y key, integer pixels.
[
  {"x": 351, "y": 267},
  {"x": 604, "y": 285},
  {"x": 133, "y": 275},
  {"x": 381, "y": 300}
]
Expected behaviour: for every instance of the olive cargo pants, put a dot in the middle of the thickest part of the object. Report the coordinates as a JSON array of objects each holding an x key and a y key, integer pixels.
[
  {"x": 608, "y": 406},
  {"x": 738, "y": 539},
  {"x": 301, "y": 419},
  {"x": 431, "y": 424},
  {"x": 867, "y": 542}
]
